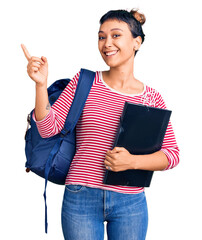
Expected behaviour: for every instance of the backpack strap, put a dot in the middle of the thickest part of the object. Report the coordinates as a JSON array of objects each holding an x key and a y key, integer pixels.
[
  {"x": 85, "y": 82},
  {"x": 83, "y": 88}
]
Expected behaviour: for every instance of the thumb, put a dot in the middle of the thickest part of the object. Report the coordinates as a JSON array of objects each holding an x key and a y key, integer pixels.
[
  {"x": 118, "y": 149},
  {"x": 44, "y": 59}
]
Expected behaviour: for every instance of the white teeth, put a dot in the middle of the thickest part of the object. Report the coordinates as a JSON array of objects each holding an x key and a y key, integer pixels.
[{"x": 111, "y": 53}]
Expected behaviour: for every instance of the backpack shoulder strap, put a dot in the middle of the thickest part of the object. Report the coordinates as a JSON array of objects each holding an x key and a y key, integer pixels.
[{"x": 85, "y": 82}]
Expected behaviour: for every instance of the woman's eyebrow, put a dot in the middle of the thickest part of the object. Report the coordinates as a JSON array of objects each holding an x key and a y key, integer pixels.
[{"x": 113, "y": 29}]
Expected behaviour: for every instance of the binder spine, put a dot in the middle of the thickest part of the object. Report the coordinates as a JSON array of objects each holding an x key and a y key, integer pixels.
[{"x": 165, "y": 123}]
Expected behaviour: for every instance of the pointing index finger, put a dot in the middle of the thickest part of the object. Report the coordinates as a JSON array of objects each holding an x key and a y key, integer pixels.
[{"x": 27, "y": 55}]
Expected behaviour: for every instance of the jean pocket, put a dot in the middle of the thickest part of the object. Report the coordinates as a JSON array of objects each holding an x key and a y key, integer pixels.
[
  {"x": 139, "y": 199},
  {"x": 74, "y": 188}
]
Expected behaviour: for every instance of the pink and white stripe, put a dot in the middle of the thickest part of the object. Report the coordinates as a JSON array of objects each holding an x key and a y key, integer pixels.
[{"x": 96, "y": 130}]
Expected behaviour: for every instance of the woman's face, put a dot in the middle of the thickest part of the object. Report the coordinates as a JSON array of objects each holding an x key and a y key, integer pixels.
[{"x": 116, "y": 43}]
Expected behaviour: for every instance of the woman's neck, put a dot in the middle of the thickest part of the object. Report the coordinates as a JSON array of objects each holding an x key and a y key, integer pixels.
[
  {"x": 120, "y": 77},
  {"x": 123, "y": 80}
]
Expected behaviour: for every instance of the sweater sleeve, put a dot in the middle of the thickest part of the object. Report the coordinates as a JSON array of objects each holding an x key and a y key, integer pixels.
[
  {"x": 169, "y": 146},
  {"x": 54, "y": 121}
]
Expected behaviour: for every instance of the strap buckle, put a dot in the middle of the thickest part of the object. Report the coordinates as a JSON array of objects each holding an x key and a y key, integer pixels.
[{"x": 64, "y": 132}]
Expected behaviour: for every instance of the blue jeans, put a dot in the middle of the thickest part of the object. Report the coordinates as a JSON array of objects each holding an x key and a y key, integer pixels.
[{"x": 85, "y": 210}]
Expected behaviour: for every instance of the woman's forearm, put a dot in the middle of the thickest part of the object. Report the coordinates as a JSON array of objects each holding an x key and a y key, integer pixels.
[
  {"x": 42, "y": 106},
  {"x": 153, "y": 162}
]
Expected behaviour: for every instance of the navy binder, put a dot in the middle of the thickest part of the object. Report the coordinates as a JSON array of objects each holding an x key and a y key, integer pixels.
[{"x": 141, "y": 131}]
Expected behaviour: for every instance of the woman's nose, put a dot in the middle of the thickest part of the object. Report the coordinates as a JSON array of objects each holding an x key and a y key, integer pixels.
[{"x": 108, "y": 42}]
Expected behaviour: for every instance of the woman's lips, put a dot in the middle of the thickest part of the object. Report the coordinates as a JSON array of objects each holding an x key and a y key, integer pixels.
[{"x": 111, "y": 53}]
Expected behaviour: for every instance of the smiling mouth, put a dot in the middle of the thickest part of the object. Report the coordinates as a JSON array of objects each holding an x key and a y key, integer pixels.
[{"x": 111, "y": 53}]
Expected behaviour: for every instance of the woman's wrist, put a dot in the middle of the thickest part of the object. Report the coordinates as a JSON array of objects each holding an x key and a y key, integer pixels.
[
  {"x": 133, "y": 162},
  {"x": 41, "y": 85}
]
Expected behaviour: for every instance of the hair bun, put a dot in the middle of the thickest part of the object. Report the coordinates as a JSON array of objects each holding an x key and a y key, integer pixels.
[{"x": 140, "y": 17}]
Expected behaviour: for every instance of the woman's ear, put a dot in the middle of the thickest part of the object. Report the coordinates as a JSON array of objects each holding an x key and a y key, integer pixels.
[{"x": 137, "y": 43}]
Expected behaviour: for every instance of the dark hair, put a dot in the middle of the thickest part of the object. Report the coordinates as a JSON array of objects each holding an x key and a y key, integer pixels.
[{"x": 134, "y": 19}]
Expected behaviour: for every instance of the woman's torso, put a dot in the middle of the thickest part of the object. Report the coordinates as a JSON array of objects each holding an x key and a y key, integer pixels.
[{"x": 96, "y": 130}]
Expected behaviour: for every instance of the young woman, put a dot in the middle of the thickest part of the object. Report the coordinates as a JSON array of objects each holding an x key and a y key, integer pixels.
[{"x": 88, "y": 203}]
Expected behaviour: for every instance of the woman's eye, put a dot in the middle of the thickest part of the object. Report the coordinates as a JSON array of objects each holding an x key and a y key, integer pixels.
[
  {"x": 116, "y": 35},
  {"x": 100, "y": 38}
]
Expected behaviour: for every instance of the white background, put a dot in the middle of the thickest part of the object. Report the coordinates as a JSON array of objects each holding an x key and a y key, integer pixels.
[{"x": 66, "y": 33}]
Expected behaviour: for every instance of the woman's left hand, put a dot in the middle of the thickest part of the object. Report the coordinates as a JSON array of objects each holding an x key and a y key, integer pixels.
[{"x": 118, "y": 159}]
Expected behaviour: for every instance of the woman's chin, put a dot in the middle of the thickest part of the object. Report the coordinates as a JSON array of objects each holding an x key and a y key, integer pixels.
[{"x": 111, "y": 64}]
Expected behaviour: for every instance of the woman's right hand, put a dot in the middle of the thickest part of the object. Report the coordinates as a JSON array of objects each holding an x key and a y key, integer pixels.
[{"x": 37, "y": 68}]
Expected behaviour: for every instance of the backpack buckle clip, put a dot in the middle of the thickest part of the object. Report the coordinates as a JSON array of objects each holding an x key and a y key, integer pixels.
[{"x": 64, "y": 132}]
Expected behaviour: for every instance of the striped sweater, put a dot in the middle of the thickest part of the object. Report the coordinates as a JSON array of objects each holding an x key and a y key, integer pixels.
[{"x": 96, "y": 130}]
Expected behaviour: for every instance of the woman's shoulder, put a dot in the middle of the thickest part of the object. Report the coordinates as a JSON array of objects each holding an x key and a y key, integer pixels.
[
  {"x": 77, "y": 75},
  {"x": 150, "y": 91},
  {"x": 152, "y": 97}
]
